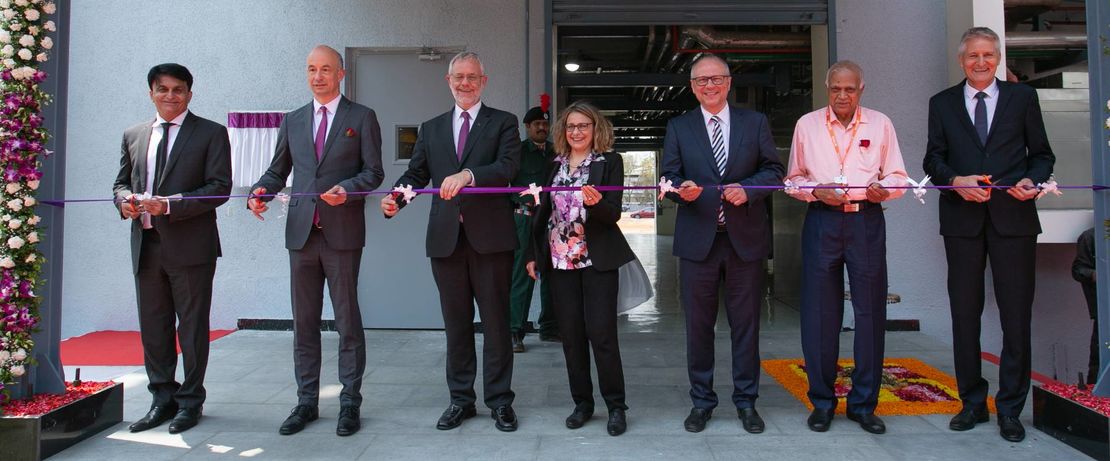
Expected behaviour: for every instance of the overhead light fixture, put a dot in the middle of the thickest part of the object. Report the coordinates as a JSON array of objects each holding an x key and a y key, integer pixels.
[{"x": 571, "y": 66}]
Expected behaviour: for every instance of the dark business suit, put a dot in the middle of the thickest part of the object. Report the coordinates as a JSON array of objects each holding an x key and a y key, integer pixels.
[
  {"x": 470, "y": 241},
  {"x": 585, "y": 300},
  {"x": 175, "y": 261},
  {"x": 1003, "y": 230},
  {"x": 331, "y": 251},
  {"x": 737, "y": 252}
]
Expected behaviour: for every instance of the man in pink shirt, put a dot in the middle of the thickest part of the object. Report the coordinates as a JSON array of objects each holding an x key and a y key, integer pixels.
[{"x": 844, "y": 160}]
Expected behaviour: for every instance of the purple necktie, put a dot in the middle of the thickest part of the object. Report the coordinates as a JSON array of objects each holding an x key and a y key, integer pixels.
[
  {"x": 463, "y": 132},
  {"x": 321, "y": 134}
]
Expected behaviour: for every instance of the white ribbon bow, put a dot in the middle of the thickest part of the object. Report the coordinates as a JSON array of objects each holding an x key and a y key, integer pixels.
[
  {"x": 1047, "y": 188},
  {"x": 284, "y": 199},
  {"x": 919, "y": 189},
  {"x": 665, "y": 186},
  {"x": 406, "y": 193},
  {"x": 789, "y": 187},
  {"x": 532, "y": 190}
]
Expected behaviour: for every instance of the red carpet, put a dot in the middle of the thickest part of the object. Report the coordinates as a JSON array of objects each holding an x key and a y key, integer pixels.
[{"x": 112, "y": 348}]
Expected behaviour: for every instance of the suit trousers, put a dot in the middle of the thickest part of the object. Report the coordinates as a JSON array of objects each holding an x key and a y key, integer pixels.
[
  {"x": 520, "y": 298},
  {"x": 464, "y": 277},
  {"x": 586, "y": 308},
  {"x": 831, "y": 240},
  {"x": 167, "y": 295},
  {"x": 1013, "y": 268},
  {"x": 310, "y": 267},
  {"x": 743, "y": 289}
]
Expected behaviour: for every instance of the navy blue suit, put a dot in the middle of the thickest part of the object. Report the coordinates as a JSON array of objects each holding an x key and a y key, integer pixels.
[{"x": 736, "y": 252}]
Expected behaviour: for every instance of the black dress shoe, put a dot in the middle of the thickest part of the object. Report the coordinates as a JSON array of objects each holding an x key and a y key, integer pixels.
[
  {"x": 820, "y": 420},
  {"x": 518, "y": 342},
  {"x": 184, "y": 420},
  {"x": 581, "y": 414},
  {"x": 454, "y": 415},
  {"x": 751, "y": 420},
  {"x": 1010, "y": 428},
  {"x": 618, "y": 423},
  {"x": 697, "y": 419},
  {"x": 504, "y": 418},
  {"x": 349, "y": 421},
  {"x": 869, "y": 422},
  {"x": 157, "y": 415},
  {"x": 298, "y": 418},
  {"x": 968, "y": 418}
]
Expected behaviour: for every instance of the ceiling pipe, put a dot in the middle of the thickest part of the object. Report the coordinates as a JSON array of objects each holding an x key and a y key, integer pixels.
[
  {"x": 741, "y": 42},
  {"x": 1038, "y": 40}
]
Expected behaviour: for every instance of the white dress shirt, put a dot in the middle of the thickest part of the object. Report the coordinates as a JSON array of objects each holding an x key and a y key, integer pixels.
[
  {"x": 723, "y": 115},
  {"x": 992, "y": 102},
  {"x": 152, "y": 154},
  {"x": 456, "y": 125},
  {"x": 332, "y": 106}
]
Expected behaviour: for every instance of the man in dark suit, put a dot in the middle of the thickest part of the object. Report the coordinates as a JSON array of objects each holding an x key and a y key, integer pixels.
[
  {"x": 470, "y": 238},
  {"x": 986, "y": 131},
  {"x": 721, "y": 232},
  {"x": 175, "y": 156},
  {"x": 334, "y": 147}
]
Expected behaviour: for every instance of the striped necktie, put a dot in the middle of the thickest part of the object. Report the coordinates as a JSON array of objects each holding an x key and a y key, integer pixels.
[{"x": 719, "y": 155}]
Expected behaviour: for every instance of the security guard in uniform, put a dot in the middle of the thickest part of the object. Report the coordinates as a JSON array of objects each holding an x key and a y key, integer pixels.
[{"x": 536, "y": 153}]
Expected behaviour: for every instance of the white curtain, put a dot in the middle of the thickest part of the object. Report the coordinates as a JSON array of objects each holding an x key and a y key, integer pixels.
[{"x": 253, "y": 138}]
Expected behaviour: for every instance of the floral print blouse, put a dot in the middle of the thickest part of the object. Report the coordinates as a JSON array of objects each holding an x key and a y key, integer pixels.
[{"x": 566, "y": 229}]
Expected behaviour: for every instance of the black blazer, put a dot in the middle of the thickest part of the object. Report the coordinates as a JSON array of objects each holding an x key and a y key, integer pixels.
[
  {"x": 492, "y": 153},
  {"x": 198, "y": 165},
  {"x": 752, "y": 160},
  {"x": 352, "y": 159},
  {"x": 607, "y": 248},
  {"x": 1017, "y": 147}
]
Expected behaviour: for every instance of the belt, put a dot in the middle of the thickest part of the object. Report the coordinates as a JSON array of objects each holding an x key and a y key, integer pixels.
[
  {"x": 523, "y": 210},
  {"x": 853, "y": 207},
  {"x": 721, "y": 227}
]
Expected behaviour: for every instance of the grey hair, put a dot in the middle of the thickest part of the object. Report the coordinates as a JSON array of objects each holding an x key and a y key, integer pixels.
[
  {"x": 466, "y": 56},
  {"x": 979, "y": 32},
  {"x": 844, "y": 66},
  {"x": 705, "y": 58}
]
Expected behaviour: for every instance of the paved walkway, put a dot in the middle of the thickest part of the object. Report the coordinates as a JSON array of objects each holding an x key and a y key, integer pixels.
[{"x": 250, "y": 391}]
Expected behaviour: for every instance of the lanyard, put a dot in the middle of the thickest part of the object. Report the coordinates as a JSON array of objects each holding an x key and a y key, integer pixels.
[{"x": 832, "y": 137}]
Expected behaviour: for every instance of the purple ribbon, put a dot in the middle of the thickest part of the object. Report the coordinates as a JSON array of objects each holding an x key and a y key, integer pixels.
[{"x": 511, "y": 190}]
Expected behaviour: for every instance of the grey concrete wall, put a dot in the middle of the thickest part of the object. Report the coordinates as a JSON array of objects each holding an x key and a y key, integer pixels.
[
  {"x": 244, "y": 55},
  {"x": 902, "y": 48}
]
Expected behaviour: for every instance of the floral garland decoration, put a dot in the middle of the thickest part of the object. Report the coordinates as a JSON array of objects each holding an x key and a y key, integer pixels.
[{"x": 23, "y": 47}]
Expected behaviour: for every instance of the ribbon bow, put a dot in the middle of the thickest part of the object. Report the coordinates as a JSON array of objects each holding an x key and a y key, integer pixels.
[
  {"x": 532, "y": 190},
  {"x": 789, "y": 187},
  {"x": 406, "y": 193},
  {"x": 919, "y": 188},
  {"x": 1046, "y": 188},
  {"x": 665, "y": 186}
]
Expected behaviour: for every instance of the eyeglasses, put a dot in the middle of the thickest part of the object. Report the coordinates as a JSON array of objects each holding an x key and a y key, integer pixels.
[
  {"x": 471, "y": 78},
  {"x": 716, "y": 79},
  {"x": 583, "y": 127}
]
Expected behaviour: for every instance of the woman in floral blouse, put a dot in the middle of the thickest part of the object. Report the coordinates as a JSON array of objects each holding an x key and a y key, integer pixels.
[{"x": 578, "y": 245}]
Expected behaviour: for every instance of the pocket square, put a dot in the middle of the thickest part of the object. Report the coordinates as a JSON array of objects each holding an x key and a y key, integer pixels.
[{"x": 350, "y": 133}]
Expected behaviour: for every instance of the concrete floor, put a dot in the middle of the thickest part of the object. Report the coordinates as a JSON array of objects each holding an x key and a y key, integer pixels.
[{"x": 250, "y": 391}]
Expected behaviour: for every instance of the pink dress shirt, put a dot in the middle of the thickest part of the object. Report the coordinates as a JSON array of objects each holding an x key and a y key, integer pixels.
[{"x": 873, "y": 156}]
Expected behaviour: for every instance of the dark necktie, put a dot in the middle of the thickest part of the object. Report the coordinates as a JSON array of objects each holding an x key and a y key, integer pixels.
[
  {"x": 981, "y": 117},
  {"x": 160, "y": 156},
  {"x": 464, "y": 130}
]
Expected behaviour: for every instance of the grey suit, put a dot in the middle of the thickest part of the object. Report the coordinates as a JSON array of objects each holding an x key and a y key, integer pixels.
[
  {"x": 174, "y": 281},
  {"x": 332, "y": 251}
]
